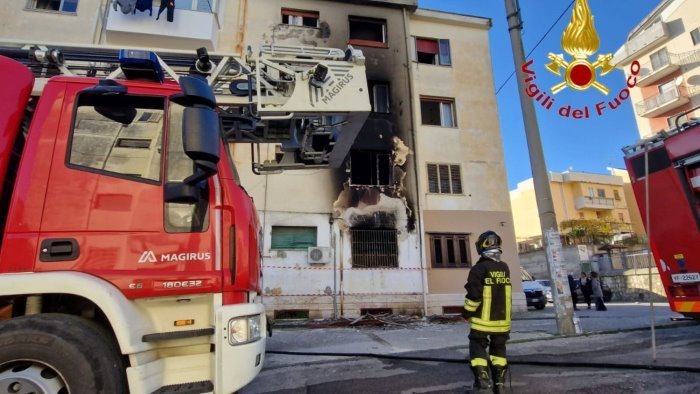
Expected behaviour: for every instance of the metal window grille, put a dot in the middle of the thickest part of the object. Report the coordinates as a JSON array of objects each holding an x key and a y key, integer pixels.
[{"x": 373, "y": 248}]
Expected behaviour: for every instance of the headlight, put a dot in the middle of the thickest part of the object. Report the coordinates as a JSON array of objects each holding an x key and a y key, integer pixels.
[{"x": 244, "y": 330}]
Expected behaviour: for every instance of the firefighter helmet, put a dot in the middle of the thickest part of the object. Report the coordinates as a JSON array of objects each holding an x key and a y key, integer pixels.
[{"x": 488, "y": 241}]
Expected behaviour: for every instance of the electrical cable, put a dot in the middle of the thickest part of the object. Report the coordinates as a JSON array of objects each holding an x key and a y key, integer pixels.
[
  {"x": 511, "y": 361},
  {"x": 538, "y": 43}
]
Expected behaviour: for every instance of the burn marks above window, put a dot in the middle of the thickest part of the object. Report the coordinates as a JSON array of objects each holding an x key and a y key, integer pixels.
[
  {"x": 371, "y": 168},
  {"x": 300, "y": 17},
  {"x": 368, "y": 32}
]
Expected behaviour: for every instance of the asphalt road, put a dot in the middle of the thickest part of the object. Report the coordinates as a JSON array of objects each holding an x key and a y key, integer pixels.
[{"x": 617, "y": 336}]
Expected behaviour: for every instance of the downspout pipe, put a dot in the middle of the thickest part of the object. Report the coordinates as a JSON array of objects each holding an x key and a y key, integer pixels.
[{"x": 414, "y": 122}]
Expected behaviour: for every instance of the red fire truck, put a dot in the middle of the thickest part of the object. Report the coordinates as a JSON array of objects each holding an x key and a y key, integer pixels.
[
  {"x": 670, "y": 163},
  {"x": 130, "y": 256}
]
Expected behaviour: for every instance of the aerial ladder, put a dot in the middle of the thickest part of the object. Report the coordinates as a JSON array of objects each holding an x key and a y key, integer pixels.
[{"x": 309, "y": 102}]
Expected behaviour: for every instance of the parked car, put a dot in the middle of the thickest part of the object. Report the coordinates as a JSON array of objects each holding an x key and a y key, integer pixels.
[
  {"x": 607, "y": 292},
  {"x": 547, "y": 289},
  {"x": 534, "y": 292}
]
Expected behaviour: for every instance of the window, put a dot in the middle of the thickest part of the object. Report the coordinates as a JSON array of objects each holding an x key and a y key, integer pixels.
[
  {"x": 659, "y": 59},
  {"x": 449, "y": 250},
  {"x": 601, "y": 193},
  {"x": 591, "y": 192},
  {"x": 54, "y": 5},
  {"x": 371, "y": 168},
  {"x": 444, "y": 179},
  {"x": 103, "y": 140},
  {"x": 617, "y": 195},
  {"x": 681, "y": 119},
  {"x": 431, "y": 51},
  {"x": 374, "y": 248},
  {"x": 293, "y": 238},
  {"x": 621, "y": 216},
  {"x": 695, "y": 35},
  {"x": 182, "y": 218},
  {"x": 668, "y": 89},
  {"x": 581, "y": 215},
  {"x": 368, "y": 32},
  {"x": 438, "y": 112},
  {"x": 380, "y": 97},
  {"x": 300, "y": 17},
  {"x": 196, "y": 5}
]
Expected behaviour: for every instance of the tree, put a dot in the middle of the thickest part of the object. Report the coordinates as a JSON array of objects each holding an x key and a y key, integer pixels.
[{"x": 594, "y": 231}]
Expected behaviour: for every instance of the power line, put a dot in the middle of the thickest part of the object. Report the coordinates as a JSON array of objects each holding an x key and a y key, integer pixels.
[{"x": 538, "y": 42}]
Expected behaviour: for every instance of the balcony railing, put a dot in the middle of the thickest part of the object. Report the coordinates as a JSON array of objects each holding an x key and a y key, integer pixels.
[
  {"x": 663, "y": 102},
  {"x": 653, "y": 71},
  {"x": 655, "y": 34},
  {"x": 587, "y": 202}
]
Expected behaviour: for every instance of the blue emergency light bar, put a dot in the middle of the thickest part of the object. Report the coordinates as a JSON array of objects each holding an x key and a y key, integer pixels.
[{"x": 138, "y": 64}]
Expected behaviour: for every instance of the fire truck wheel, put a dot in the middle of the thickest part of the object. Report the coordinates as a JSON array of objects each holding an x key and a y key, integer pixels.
[{"x": 58, "y": 354}]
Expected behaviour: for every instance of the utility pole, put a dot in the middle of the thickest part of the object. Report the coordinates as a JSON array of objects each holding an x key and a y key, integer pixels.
[{"x": 543, "y": 194}]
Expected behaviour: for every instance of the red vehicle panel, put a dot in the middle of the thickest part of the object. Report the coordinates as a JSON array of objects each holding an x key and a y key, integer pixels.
[{"x": 674, "y": 212}]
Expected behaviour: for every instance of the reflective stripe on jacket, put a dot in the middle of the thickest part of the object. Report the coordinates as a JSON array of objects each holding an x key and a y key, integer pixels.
[{"x": 488, "y": 300}]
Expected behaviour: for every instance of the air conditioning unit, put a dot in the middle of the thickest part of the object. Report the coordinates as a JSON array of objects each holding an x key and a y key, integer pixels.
[{"x": 318, "y": 255}]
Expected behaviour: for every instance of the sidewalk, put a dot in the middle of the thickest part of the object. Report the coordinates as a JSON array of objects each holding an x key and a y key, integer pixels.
[{"x": 422, "y": 337}]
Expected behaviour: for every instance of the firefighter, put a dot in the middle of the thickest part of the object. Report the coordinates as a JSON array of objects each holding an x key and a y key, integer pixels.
[{"x": 487, "y": 304}]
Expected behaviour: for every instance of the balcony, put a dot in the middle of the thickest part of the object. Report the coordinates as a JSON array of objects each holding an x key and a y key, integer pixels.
[
  {"x": 654, "y": 71},
  {"x": 586, "y": 202},
  {"x": 664, "y": 102},
  {"x": 190, "y": 29},
  {"x": 645, "y": 40}
]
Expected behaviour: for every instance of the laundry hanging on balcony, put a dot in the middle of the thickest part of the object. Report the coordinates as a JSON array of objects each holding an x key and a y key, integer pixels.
[
  {"x": 127, "y": 6},
  {"x": 144, "y": 5},
  {"x": 170, "y": 5},
  {"x": 131, "y": 6}
]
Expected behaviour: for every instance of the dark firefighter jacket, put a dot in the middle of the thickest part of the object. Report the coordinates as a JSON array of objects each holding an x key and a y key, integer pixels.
[{"x": 488, "y": 299}]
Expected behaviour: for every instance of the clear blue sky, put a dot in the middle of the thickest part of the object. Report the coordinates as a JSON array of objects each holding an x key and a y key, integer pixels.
[{"x": 588, "y": 145}]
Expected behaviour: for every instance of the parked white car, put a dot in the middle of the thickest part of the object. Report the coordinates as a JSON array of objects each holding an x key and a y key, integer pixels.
[
  {"x": 534, "y": 292},
  {"x": 547, "y": 289}
]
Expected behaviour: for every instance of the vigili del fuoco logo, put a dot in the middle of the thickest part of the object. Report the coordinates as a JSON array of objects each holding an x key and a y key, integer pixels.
[{"x": 581, "y": 41}]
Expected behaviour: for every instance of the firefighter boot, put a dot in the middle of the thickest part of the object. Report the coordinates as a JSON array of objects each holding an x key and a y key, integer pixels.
[
  {"x": 499, "y": 378},
  {"x": 482, "y": 379}
]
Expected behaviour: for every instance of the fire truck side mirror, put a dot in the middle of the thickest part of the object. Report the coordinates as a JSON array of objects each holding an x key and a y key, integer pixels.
[{"x": 201, "y": 138}]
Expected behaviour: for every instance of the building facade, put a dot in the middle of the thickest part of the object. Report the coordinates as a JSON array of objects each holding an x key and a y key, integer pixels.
[
  {"x": 600, "y": 198},
  {"x": 392, "y": 229},
  {"x": 667, "y": 46}
]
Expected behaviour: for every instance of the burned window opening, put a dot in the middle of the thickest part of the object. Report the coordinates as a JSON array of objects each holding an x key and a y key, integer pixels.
[
  {"x": 374, "y": 248},
  {"x": 449, "y": 251},
  {"x": 300, "y": 18},
  {"x": 371, "y": 168},
  {"x": 368, "y": 32},
  {"x": 380, "y": 97}
]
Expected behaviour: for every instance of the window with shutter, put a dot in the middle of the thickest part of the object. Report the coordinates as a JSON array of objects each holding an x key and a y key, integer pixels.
[
  {"x": 456, "y": 178},
  {"x": 433, "y": 178},
  {"x": 444, "y": 171},
  {"x": 444, "y": 179},
  {"x": 449, "y": 250},
  {"x": 292, "y": 238}
]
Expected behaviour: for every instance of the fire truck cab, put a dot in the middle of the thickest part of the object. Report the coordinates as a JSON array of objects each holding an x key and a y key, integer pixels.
[{"x": 130, "y": 254}]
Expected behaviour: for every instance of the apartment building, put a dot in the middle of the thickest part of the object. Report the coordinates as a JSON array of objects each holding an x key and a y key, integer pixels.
[
  {"x": 667, "y": 46},
  {"x": 392, "y": 229},
  {"x": 577, "y": 196}
]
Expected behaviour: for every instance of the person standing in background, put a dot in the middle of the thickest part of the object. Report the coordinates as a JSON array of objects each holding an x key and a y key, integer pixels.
[
  {"x": 597, "y": 292},
  {"x": 586, "y": 288},
  {"x": 572, "y": 289}
]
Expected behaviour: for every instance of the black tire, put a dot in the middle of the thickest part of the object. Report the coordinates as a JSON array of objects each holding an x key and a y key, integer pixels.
[
  {"x": 540, "y": 306},
  {"x": 79, "y": 351}
]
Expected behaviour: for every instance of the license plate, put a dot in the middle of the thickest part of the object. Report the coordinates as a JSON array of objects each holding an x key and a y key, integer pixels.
[{"x": 686, "y": 278}]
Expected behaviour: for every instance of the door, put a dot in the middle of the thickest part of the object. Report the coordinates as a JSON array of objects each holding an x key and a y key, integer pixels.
[{"x": 105, "y": 212}]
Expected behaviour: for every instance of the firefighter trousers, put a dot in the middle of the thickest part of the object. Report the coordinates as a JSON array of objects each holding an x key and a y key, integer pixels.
[{"x": 486, "y": 346}]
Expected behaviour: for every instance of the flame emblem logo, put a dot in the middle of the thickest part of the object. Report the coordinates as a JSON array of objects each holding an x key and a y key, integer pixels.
[{"x": 581, "y": 41}]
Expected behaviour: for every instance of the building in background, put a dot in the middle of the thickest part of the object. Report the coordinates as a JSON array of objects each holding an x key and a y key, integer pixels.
[
  {"x": 393, "y": 229},
  {"x": 590, "y": 208},
  {"x": 667, "y": 45}
]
